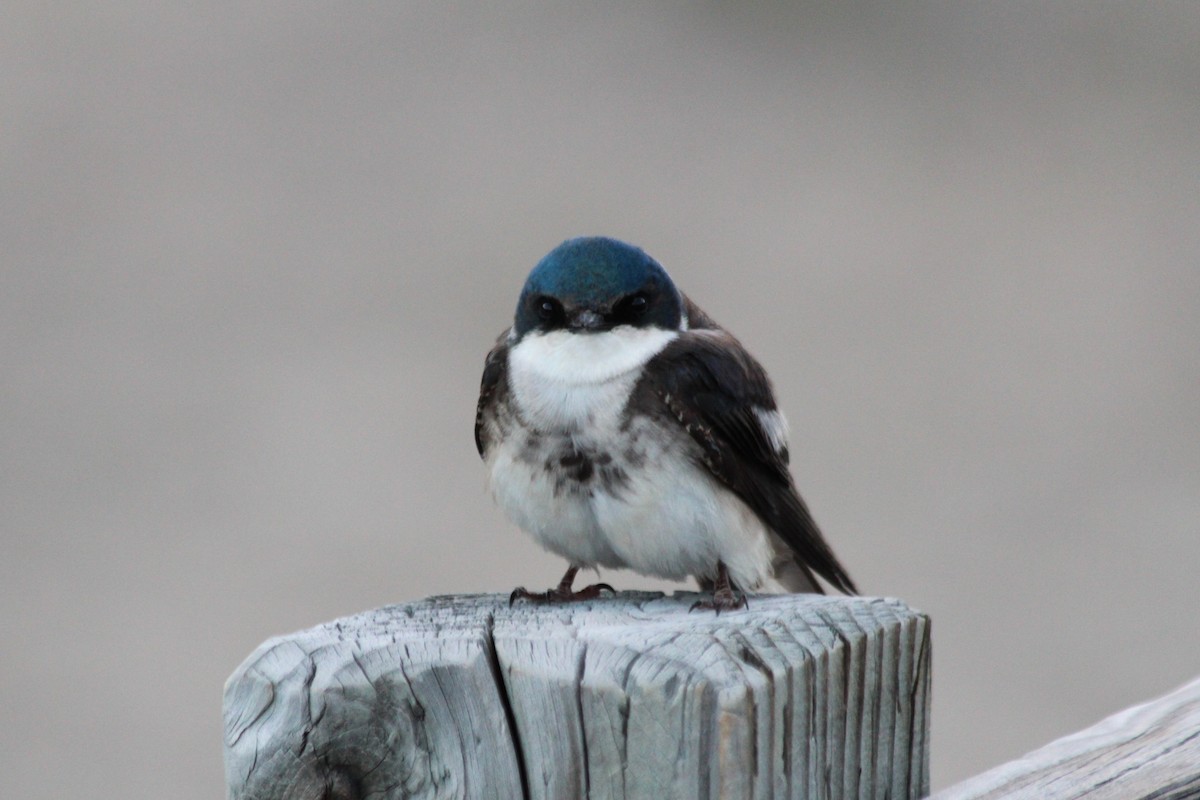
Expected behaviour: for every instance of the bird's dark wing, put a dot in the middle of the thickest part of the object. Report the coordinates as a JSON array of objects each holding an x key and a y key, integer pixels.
[
  {"x": 492, "y": 389},
  {"x": 706, "y": 382}
]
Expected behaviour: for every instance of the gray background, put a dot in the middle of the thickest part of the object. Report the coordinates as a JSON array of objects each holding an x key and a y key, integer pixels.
[{"x": 253, "y": 256}]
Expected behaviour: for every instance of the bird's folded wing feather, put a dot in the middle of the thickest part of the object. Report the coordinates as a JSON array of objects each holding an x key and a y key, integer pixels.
[
  {"x": 493, "y": 384},
  {"x": 706, "y": 382}
]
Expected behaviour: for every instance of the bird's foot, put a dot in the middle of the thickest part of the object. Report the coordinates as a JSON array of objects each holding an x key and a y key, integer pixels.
[
  {"x": 722, "y": 600},
  {"x": 563, "y": 593},
  {"x": 724, "y": 596},
  {"x": 560, "y": 595}
]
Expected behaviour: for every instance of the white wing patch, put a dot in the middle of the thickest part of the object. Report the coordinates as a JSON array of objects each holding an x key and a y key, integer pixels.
[{"x": 774, "y": 425}]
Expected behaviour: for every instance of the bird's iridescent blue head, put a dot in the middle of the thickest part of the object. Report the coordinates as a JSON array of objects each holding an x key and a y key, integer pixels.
[{"x": 593, "y": 284}]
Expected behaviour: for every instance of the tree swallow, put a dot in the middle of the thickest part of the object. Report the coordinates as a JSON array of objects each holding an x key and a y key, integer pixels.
[{"x": 622, "y": 427}]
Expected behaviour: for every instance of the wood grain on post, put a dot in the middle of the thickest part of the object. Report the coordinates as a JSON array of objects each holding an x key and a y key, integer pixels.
[{"x": 633, "y": 696}]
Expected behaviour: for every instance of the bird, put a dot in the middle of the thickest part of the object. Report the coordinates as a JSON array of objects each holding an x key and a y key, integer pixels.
[{"x": 621, "y": 427}]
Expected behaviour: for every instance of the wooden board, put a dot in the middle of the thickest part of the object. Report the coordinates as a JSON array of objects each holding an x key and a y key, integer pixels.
[{"x": 1147, "y": 751}]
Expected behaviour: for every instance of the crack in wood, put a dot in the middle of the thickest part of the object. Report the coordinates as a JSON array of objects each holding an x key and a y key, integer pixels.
[{"x": 506, "y": 703}]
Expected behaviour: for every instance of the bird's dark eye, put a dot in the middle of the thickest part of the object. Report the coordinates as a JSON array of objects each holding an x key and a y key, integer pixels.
[
  {"x": 631, "y": 307},
  {"x": 548, "y": 309}
]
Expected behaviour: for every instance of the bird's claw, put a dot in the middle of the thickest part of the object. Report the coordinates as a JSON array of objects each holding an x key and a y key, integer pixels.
[
  {"x": 722, "y": 600},
  {"x": 559, "y": 594}
]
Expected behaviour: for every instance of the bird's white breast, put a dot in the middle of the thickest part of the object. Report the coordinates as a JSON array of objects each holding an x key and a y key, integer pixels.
[
  {"x": 566, "y": 381},
  {"x": 662, "y": 515}
]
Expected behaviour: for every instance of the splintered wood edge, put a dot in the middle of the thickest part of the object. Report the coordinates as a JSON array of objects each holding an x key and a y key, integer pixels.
[
  {"x": 631, "y": 695},
  {"x": 1147, "y": 750}
]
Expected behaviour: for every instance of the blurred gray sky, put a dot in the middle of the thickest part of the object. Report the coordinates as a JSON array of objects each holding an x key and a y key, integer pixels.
[{"x": 254, "y": 256}]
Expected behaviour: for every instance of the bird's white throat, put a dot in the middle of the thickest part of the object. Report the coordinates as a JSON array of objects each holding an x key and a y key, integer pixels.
[{"x": 563, "y": 380}]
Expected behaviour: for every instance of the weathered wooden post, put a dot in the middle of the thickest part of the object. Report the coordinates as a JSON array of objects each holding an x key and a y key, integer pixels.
[{"x": 633, "y": 696}]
